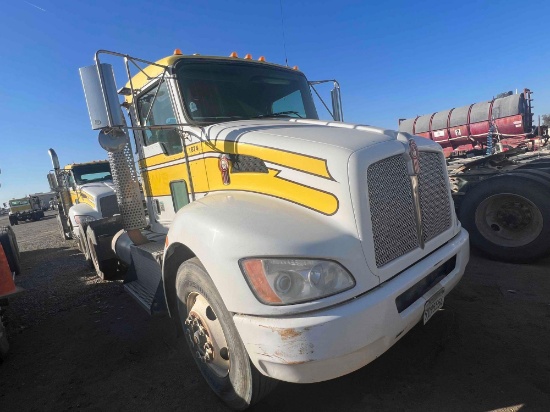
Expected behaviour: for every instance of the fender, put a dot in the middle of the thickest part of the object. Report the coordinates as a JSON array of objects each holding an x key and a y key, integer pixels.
[
  {"x": 222, "y": 228},
  {"x": 81, "y": 209}
]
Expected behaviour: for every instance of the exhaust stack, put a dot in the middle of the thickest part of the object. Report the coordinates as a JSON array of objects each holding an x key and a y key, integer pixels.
[{"x": 105, "y": 113}]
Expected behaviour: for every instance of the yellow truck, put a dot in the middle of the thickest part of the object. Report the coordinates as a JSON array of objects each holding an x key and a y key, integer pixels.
[
  {"x": 25, "y": 209},
  {"x": 84, "y": 193},
  {"x": 283, "y": 246}
]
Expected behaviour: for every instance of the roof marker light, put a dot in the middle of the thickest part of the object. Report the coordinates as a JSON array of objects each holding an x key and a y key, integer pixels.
[
  {"x": 234, "y": 54},
  {"x": 248, "y": 56},
  {"x": 261, "y": 59},
  {"x": 295, "y": 67},
  {"x": 177, "y": 52}
]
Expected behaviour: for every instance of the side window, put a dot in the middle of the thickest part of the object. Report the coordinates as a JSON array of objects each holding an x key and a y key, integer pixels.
[
  {"x": 291, "y": 102},
  {"x": 155, "y": 109},
  {"x": 180, "y": 196},
  {"x": 71, "y": 179}
]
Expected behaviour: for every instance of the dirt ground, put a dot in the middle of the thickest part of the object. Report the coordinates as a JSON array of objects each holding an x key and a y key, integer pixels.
[{"x": 81, "y": 343}]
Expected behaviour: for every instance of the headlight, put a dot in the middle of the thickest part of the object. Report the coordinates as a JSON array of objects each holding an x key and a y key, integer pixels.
[
  {"x": 81, "y": 219},
  {"x": 287, "y": 281}
]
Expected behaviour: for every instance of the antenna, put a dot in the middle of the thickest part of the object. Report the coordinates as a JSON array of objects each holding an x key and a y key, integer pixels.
[{"x": 283, "y": 29}]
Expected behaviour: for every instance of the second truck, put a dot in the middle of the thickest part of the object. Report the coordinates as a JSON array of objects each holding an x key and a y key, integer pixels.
[
  {"x": 283, "y": 246},
  {"x": 84, "y": 194}
]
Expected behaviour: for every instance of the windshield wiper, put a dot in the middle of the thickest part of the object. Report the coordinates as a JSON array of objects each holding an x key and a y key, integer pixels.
[{"x": 278, "y": 114}]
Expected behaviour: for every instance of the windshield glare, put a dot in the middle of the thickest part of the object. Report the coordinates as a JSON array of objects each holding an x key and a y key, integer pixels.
[
  {"x": 216, "y": 91},
  {"x": 96, "y": 172}
]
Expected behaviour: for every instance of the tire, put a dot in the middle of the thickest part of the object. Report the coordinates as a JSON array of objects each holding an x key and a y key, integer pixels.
[
  {"x": 11, "y": 249},
  {"x": 83, "y": 246},
  {"x": 229, "y": 371},
  {"x": 508, "y": 216},
  {"x": 106, "y": 269}
]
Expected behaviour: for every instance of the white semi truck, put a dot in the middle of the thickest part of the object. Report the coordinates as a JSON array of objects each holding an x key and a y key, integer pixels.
[{"x": 284, "y": 247}]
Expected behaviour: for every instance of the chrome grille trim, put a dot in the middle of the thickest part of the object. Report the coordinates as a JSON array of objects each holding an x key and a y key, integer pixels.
[
  {"x": 391, "y": 201},
  {"x": 434, "y": 195},
  {"x": 109, "y": 206}
]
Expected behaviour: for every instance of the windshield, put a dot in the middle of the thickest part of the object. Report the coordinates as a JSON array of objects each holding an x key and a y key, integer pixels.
[
  {"x": 19, "y": 202},
  {"x": 216, "y": 91},
  {"x": 96, "y": 172}
]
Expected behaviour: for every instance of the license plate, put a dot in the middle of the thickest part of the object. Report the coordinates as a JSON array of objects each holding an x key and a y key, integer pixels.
[{"x": 433, "y": 304}]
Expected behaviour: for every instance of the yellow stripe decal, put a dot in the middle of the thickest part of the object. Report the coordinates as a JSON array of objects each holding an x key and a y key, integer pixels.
[
  {"x": 157, "y": 183},
  {"x": 297, "y": 161}
]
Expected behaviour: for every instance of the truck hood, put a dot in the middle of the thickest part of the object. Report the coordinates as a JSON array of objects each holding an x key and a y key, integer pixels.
[
  {"x": 98, "y": 189},
  {"x": 350, "y": 137}
]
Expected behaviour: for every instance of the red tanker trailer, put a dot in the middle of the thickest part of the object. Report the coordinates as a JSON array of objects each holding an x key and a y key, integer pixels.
[
  {"x": 502, "y": 199},
  {"x": 465, "y": 128}
]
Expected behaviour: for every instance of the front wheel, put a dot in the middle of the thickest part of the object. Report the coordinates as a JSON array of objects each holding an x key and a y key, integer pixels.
[
  {"x": 508, "y": 217},
  {"x": 214, "y": 341}
]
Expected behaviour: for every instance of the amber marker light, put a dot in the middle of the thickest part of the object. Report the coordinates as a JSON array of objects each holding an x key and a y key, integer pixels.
[
  {"x": 234, "y": 54},
  {"x": 248, "y": 56},
  {"x": 295, "y": 67},
  {"x": 177, "y": 52},
  {"x": 254, "y": 270},
  {"x": 261, "y": 59}
]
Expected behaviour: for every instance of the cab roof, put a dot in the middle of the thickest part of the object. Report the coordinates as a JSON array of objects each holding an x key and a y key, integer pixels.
[
  {"x": 148, "y": 73},
  {"x": 72, "y": 165}
]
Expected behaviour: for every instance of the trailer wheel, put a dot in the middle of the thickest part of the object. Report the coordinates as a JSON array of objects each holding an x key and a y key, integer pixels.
[
  {"x": 508, "y": 216},
  {"x": 106, "y": 269},
  {"x": 11, "y": 249},
  {"x": 214, "y": 341}
]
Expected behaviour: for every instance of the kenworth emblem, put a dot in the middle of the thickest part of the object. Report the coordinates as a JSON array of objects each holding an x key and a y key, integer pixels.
[
  {"x": 223, "y": 164},
  {"x": 413, "y": 153},
  {"x": 415, "y": 160}
]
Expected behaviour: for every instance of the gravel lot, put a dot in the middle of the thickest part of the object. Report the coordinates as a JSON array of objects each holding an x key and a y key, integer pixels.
[{"x": 81, "y": 343}]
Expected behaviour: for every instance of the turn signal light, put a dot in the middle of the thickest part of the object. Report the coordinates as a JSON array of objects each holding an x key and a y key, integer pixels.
[
  {"x": 234, "y": 54},
  {"x": 261, "y": 59},
  {"x": 177, "y": 52}
]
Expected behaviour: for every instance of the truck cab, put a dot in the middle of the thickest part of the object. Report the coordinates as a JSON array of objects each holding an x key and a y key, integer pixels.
[{"x": 285, "y": 247}]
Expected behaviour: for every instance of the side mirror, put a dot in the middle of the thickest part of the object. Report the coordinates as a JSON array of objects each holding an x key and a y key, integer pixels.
[
  {"x": 337, "y": 112},
  {"x": 101, "y": 95},
  {"x": 52, "y": 180}
]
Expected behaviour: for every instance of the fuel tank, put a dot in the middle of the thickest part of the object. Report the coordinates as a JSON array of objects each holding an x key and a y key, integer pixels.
[{"x": 465, "y": 128}]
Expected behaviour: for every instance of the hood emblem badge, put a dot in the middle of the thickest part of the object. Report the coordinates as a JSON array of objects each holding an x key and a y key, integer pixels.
[
  {"x": 413, "y": 153},
  {"x": 414, "y": 171},
  {"x": 223, "y": 164}
]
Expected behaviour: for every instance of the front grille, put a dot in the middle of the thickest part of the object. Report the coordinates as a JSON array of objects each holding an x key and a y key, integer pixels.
[
  {"x": 434, "y": 195},
  {"x": 109, "y": 206},
  {"x": 391, "y": 209},
  {"x": 392, "y": 206}
]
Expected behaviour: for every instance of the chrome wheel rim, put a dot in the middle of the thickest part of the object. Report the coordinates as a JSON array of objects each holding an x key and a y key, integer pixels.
[{"x": 205, "y": 336}]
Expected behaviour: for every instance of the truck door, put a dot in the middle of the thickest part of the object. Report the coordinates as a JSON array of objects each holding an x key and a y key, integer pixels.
[{"x": 162, "y": 163}]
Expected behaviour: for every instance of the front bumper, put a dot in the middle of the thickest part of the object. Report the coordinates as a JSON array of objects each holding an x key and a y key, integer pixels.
[{"x": 329, "y": 343}]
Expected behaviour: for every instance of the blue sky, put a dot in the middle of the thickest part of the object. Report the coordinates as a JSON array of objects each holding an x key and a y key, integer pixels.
[{"x": 393, "y": 59}]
